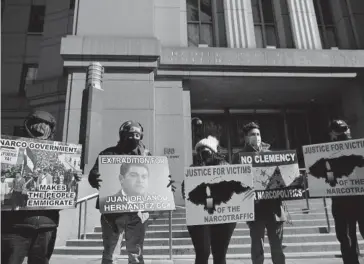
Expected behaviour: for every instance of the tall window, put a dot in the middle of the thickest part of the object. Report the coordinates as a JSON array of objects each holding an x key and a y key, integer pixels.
[
  {"x": 199, "y": 22},
  {"x": 29, "y": 75},
  {"x": 36, "y": 21},
  {"x": 264, "y": 23},
  {"x": 325, "y": 23}
]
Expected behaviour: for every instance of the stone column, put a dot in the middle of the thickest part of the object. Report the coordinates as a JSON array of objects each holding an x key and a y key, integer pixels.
[
  {"x": 304, "y": 24},
  {"x": 239, "y": 24},
  {"x": 173, "y": 129}
]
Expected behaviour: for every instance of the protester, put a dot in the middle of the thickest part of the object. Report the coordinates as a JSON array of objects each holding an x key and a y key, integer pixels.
[
  {"x": 216, "y": 236},
  {"x": 347, "y": 210},
  {"x": 132, "y": 223},
  {"x": 269, "y": 214},
  {"x": 17, "y": 195},
  {"x": 31, "y": 234}
]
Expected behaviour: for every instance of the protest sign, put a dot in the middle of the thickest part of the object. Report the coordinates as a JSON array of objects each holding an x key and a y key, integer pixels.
[
  {"x": 38, "y": 174},
  {"x": 134, "y": 183},
  {"x": 335, "y": 169},
  {"x": 219, "y": 194},
  {"x": 276, "y": 174}
]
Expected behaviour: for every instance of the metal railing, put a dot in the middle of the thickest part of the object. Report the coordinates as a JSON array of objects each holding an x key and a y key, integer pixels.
[
  {"x": 80, "y": 202},
  {"x": 307, "y": 210}
]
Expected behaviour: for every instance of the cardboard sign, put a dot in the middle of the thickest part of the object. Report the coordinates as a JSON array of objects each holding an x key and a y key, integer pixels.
[
  {"x": 219, "y": 194},
  {"x": 38, "y": 174},
  {"x": 276, "y": 175},
  {"x": 335, "y": 169},
  {"x": 134, "y": 183}
]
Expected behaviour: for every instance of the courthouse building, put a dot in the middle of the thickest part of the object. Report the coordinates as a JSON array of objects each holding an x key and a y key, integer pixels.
[{"x": 290, "y": 65}]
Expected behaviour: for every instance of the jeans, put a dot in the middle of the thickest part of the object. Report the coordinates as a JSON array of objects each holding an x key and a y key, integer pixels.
[
  {"x": 134, "y": 231},
  {"x": 345, "y": 218},
  {"x": 275, "y": 237},
  {"x": 217, "y": 237},
  {"x": 18, "y": 244}
]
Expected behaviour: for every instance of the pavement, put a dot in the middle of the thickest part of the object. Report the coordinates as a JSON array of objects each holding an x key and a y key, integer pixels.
[{"x": 68, "y": 259}]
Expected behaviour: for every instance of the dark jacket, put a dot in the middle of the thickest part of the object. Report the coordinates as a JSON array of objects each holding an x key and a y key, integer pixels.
[
  {"x": 116, "y": 150},
  {"x": 264, "y": 209}
]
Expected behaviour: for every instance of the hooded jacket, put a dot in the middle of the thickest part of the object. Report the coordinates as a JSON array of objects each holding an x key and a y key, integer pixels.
[
  {"x": 116, "y": 150},
  {"x": 264, "y": 209}
]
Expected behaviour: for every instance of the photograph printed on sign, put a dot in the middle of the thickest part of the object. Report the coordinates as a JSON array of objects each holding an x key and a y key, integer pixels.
[
  {"x": 219, "y": 194},
  {"x": 38, "y": 174},
  {"x": 134, "y": 183},
  {"x": 276, "y": 174},
  {"x": 335, "y": 169}
]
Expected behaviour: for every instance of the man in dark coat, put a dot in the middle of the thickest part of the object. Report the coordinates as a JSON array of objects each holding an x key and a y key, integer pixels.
[
  {"x": 269, "y": 214},
  {"x": 31, "y": 234},
  {"x": 132, "y": 223},
  {"x": 347, "y": 210}
]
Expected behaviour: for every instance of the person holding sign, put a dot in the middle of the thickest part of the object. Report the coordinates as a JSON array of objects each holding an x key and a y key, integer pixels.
[
  {"x": 216, "y": 236},
  {"x": 269, "y": 214},
  {"x": 31, "y": 234},
  {"x": 346, "y": 210},
  {"x": 132, "y": 223}
]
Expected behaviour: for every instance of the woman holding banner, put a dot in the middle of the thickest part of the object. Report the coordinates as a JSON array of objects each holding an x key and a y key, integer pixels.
[{"x": 217, "y": 236}]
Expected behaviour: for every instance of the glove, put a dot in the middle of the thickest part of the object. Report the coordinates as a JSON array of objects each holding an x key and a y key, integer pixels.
[
  {"x": 143, "y": 216},
  {"x": 170, "y": 184},
  {"x": 78, "y": 176},
  {"x": 95, "y": 180}
]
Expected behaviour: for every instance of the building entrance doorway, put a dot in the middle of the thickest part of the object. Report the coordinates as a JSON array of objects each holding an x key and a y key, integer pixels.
[{"x": 282, "y": 129}]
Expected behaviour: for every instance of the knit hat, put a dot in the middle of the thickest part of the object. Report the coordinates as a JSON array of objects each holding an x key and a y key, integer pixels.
[{"x": 210, "y": 142}]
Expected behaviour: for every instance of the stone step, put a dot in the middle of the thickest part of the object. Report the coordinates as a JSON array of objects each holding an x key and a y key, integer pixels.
[
  {"x": 189, "y": 250},
  {"x": 180, "y": 233},
  {"x": 187, "y": 240},
  {"x": 183, "y": 226},
  {"x": 182, "y": 221}
]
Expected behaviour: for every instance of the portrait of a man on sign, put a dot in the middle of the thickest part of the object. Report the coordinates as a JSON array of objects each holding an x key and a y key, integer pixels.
[
  {"x": 134, "y": 183},
  {"x": 134, "y": 179}
]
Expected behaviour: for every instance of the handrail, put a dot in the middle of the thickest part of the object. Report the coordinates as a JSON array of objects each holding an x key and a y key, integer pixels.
[
  {"x": 80, "y": 202},
  {"x": 86, "y": 198}
]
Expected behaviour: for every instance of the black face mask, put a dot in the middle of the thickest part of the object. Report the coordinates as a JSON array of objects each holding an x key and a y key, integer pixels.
[
  {"x": 342, "y": 137},
  {"x": 207, "y": 156},
  {"x": 130, "y": 144}
]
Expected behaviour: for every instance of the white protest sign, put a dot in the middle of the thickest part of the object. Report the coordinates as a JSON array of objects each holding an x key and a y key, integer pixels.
[
  {"x": 134, "y": 183},
  {"x": 219, "y": 194},
  {"x": 276, "y": 174},
  {"x": 336, "y": 168},
  {"x": 37, "y": 174},
  {"x": 9, "y": 155}
]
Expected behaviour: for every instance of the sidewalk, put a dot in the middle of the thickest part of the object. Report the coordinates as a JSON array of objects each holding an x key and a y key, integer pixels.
[{"x": 97, "y": 260}]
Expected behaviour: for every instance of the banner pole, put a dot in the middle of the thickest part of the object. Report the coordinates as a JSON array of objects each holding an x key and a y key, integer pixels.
[
  {"x": 327, "y": 216},
  {"x": 79, "y": 221},
  {"x": 170, "y": 235}
]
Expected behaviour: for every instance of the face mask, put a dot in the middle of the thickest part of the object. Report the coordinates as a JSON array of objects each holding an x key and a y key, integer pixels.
[
  {"x": 254, "y": 141},
  {"x": 341, "y": 137},
  {"x": 131, "y": 143},
  {"x": 206, "y": 155}
]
